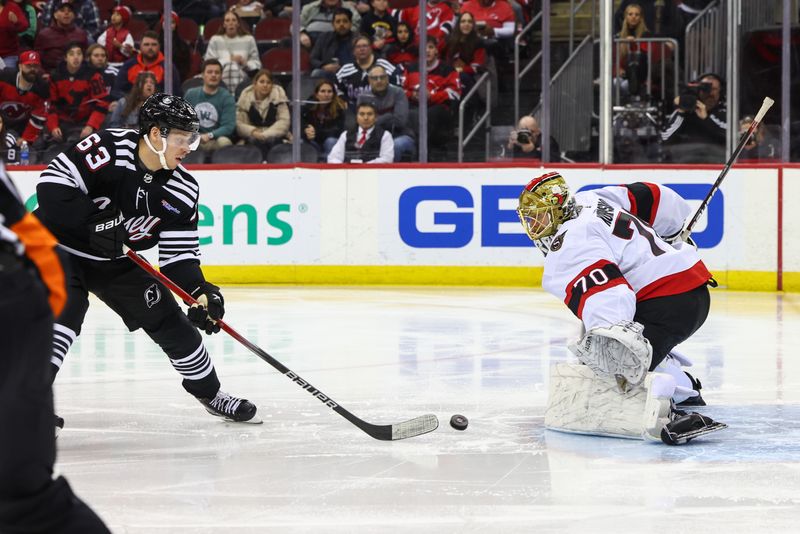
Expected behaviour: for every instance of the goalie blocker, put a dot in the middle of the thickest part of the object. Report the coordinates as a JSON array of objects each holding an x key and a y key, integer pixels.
[{"x": 582, "y": 402}]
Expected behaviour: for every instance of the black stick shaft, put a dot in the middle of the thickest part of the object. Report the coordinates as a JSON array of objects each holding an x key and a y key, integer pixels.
[
  {"x": 410, "y": 428},
  {"x": 742, "y": 142}
]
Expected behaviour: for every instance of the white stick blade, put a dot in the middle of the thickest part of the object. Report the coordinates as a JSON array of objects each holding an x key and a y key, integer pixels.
[
  {"x": 764, "y": 108},
  {"x": 415, "y": 427}
]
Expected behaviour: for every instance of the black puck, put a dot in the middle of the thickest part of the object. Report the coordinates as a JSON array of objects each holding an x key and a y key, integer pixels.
[{"x": 459, "y": 422}]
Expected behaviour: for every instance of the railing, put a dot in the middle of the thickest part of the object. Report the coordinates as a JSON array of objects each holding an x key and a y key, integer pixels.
[
  {"x": 704, "y": 42},
  {"x": 573, "y": 10},
  {"x": 485, "y": 118},
  {"x": 661, "y": 51},
  {"x": 571, "y": 100},
  {"x": 766, "y": 13},
  {"x": 520, "y": 72}
]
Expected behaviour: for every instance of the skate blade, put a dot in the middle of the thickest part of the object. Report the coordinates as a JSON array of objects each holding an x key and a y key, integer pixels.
[{"x": 674, "y": 438}]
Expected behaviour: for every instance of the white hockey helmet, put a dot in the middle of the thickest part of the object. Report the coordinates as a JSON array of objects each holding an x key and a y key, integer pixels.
[{"x": 544, "y": 205}]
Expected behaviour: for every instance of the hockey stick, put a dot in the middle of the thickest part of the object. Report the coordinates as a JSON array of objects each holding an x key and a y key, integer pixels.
[
  {"x": 743, "y": 141},
  {"x": 407, "y": 429}
]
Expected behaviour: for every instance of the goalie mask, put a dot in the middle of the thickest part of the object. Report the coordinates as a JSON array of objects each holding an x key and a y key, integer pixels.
[{"x": 544, "y": 205}]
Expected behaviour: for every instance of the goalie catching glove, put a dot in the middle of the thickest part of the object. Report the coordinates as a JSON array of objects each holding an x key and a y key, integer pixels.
[
  {"x": 210, "y": 307},
  {"x": 619, "y": 351}
]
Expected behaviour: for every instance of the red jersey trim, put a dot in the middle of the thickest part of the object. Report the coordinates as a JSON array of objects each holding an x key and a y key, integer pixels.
[
  {"x": 587, "y": 284},
  {"x": 675, "y": 284}
]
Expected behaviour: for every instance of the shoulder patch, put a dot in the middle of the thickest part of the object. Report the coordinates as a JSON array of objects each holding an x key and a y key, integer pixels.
[{"x": 558, "y": 242}]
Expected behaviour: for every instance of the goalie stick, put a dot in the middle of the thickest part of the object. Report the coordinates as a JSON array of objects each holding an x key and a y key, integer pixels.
[
  {"x": 743, "y": 141},
  {"x": 407, "y": 429}
]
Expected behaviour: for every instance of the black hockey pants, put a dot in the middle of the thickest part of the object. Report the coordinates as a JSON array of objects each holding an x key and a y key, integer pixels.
[
  {"x": 671, "y": 320},
  {"x": 30, "y": 500},
  {"x": 142, "y": 302}
]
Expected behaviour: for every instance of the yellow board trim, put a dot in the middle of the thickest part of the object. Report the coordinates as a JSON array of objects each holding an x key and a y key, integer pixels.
[{"x": 442, "y": 276}]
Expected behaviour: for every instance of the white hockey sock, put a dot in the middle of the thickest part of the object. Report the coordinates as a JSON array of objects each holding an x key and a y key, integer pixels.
[
  {"x": 672, "y": 366},
  {"x": 63, "y": 338},
  {"x": 195, "y": 366}
]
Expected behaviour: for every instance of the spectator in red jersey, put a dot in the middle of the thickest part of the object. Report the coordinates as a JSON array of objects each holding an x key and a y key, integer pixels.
[
  {"x": 52, "y": 40},
  {"x": 78, "y": 96},
  {"x": 12, "y": 22},
  {"x": 404, "y": 50},
  {"x": 117, "y": 39},
  {"x": 24, "y": 97},
  {"x": 440, "y": 19},
  {"x": 465, "y": 51},
  {"x": 149, "y": 59},
  {"x": 444, "y": 94},
  {"x": 493, "y": 18}
]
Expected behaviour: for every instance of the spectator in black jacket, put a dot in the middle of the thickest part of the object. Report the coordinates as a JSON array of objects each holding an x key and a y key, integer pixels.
[
  {"x": 697, "y": 129},
  {"x": 323, "y": 120},
  {"x": 526, "y": 141},
  {"x": 333, "y": 49}
]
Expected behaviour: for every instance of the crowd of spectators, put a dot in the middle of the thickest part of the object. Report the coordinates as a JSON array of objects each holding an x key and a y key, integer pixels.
[{"x": 70, "y": 70}]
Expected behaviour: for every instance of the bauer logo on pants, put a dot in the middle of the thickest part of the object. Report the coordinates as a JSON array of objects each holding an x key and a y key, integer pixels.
[{"x": 152, "y": 295}]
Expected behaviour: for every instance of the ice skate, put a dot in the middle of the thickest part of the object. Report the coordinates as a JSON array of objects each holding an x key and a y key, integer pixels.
[
  {"x": 697, "y": 400},
  {"x": 231, "y": 408}
]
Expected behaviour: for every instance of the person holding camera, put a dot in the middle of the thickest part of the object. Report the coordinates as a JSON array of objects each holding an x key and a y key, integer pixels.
[
  {"x": 526, "y": 141},
  {"x": 697, "y": 130}
]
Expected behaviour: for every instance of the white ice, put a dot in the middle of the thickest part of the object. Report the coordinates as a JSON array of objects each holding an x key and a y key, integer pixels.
[{"x": 150, "y": 460}]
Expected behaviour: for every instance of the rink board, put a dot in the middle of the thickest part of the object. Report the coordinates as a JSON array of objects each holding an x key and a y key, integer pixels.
[{"x": 452, "y": 226}]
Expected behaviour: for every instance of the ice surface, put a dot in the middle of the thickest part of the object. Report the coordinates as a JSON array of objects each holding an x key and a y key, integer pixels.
[{"x": 150, "y": 460}]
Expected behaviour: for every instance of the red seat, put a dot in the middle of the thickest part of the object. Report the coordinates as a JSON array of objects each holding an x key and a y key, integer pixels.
[
  {"x": 272, "y": 31},
  {"x": 211, "y": 28},
  {"x": 137, "y": 27},
  {"x": 105, "y": 7},
  {"x": 402, "y": 4},
  {"x": 279, "y": 61},
  {"x": 188, "y": 30},
  {"x": 149, "y": 6},
  {"x": 196, "y": 63}
]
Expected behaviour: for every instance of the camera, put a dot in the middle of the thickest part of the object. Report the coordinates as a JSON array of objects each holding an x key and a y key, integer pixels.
[
  {"x": 691, "y": 92},
  {"x": 524, "y": 136}
]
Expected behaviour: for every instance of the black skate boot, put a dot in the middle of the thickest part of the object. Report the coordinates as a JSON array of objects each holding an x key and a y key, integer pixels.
[
  {"x": 231, "y": 408},
  {"x": 693, "y": 401},
  {"x": 684, "y": 427}
]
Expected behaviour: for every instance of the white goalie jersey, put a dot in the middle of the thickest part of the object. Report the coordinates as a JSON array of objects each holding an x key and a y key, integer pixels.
[{"x": 613, "y": 255}]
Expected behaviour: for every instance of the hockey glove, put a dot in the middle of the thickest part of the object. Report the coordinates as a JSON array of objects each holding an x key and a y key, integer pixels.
[
  {"x": 209, "y": 308},
  {"x": 107, "y": 234}
]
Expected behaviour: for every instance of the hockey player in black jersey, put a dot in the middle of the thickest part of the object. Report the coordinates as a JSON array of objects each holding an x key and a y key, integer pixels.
[{"x": 124, "y": 186}]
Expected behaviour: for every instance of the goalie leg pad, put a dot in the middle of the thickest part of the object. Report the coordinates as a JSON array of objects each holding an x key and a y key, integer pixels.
[
  {"x": 619, "y": 351},
  {"x": 685, "y": 387},
  {"x": 582, "y": 402}
]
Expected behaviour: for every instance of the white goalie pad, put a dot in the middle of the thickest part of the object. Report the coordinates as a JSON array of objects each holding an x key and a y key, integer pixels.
[
  {"x": 619, "y": 351},
  {"x": 581, "y": 402}
]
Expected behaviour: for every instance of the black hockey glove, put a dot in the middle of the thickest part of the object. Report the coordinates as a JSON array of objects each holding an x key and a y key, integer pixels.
[
  {"x": 106, "y": 234},
  {"x": 209, "y": 308}
]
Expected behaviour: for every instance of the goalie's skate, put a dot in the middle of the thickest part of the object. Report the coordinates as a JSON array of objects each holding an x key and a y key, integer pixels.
[
  {"x": 687, "y": 426},
  {"x": 697, "y": 400},
  {"x": 231, "y": 408}
]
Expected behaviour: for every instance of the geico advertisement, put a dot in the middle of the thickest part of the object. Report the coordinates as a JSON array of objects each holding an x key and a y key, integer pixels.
[
  {"x": 466, "y": 216},
  {"x": 458, "y": 216}
]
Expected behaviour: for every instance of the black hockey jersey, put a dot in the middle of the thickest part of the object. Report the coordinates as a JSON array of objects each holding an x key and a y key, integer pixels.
[{"x": 103, "y": 172}]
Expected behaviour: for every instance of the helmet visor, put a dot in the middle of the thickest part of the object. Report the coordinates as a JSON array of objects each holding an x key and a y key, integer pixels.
[{"x": 182, "y": 139}]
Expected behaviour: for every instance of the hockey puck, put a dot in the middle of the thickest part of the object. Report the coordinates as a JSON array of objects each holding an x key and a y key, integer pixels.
[{"x": 459, "y": 422}]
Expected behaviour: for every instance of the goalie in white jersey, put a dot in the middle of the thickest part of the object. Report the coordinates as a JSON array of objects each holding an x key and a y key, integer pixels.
[{"x": 613, "y": 256}]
